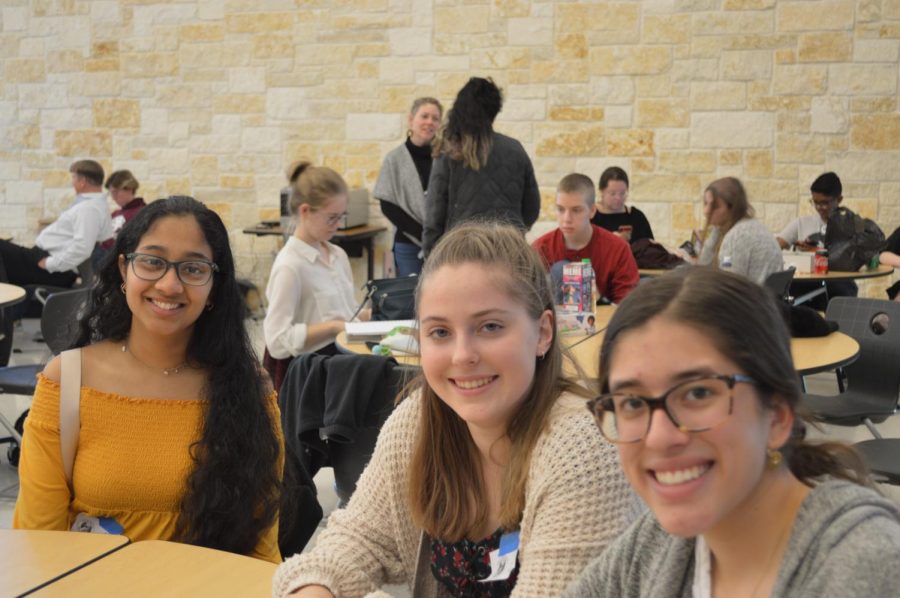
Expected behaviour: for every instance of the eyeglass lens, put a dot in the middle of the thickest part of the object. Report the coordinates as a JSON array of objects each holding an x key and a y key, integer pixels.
[
  {"x": 150, "y": 267},
  {"x": 693, "y": 406}
]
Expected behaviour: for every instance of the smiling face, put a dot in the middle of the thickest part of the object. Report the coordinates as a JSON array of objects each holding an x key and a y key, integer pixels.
[
  {"x": 613, "y": 197},
  {"x": 479, "y": 345},
  {"x": 693, "y": 482},
  {"x": 424, "y": 124},
  {"x": 167, "y": 307},
  {"x": 715, "y": 210}
]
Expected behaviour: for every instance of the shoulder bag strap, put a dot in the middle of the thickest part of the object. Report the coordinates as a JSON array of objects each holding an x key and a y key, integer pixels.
[{"x": 69, "y": 403}]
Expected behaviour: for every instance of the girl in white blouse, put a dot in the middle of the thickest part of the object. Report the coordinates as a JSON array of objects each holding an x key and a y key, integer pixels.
[{"x": 310, "y": 290}]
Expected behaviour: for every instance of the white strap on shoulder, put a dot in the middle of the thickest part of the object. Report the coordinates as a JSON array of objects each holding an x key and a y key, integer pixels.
[{"x": 69, "y": 403}]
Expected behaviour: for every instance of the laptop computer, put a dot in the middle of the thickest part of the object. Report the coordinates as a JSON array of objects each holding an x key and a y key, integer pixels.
[{"x": 357, "y": 209}]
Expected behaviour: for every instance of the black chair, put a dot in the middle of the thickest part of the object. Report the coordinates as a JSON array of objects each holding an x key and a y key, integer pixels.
[
  {"x": 873, "y": 380},
  {"x": 780, "y": 284},
  {"x": 59, "y": 326},
  {"x": 315, "y": 436}
]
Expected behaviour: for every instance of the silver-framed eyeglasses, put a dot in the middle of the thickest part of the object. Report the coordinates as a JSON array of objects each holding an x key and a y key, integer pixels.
[
  {"x": 695, "y": 405},
  {"x": 152, "y": 267},
  {"x": 332, "y": 219}
]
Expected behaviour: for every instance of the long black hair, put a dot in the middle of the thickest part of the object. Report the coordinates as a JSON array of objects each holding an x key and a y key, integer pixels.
[
  {"x": 232, "y": 493},
  {"x": 470, "y": 123}
]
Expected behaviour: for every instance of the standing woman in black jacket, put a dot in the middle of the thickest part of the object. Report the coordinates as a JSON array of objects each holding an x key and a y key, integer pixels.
[
  {"x": 477, "y": 172},
  {"x": 402, "y": 184}
]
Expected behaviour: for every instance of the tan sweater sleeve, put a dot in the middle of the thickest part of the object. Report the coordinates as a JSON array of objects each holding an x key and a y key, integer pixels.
[
  {"x": 577, "y": 502},
  {"x": 371, "y": 542}
]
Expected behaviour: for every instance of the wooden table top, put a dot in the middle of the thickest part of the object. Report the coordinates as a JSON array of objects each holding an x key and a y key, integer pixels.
[
  {"x": 602, "y": 315},
  {"x": 881, "y": 270},
  {"x": 31, "y": 558},
  {"x": 10, "y": 294},
  {"x": 356, "y": 232},
  {"x": 811, "y": 355},
  {"x": 156, "y": 568}
]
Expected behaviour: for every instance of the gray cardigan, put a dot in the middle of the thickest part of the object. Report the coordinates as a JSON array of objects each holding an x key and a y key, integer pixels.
[
  {"x": 503, "y": 189},
  {"x": 845, "y": 542},
  {"x": 753, "y": 250}
]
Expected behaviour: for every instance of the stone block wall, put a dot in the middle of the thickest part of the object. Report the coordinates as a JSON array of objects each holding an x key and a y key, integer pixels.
[{"x": 215, "y": 98}]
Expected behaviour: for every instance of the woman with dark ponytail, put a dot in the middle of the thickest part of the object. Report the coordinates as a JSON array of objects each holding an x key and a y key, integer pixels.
[
  {"x": 701, "y": 397},
  {"x": 179, "y": 434}
]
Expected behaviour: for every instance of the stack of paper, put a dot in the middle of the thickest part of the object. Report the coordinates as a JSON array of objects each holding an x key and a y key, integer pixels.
[{"x": 375, "y": 330}]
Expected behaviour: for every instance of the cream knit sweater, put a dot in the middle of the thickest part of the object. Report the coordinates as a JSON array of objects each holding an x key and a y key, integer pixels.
[{"x": 576, "y": 502}]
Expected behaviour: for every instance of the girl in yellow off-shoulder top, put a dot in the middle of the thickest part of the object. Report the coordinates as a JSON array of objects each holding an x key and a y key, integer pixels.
[{"x": 179, "y": 436}]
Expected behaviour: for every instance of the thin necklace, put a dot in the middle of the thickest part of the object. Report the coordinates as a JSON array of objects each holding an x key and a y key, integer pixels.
[{"x": 166, "y": 371}]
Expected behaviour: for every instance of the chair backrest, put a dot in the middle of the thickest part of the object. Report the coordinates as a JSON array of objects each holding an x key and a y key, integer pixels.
[
  {"x": 875, "y": 325},
  {"x": 61, "y": 317},
  {"x": 86, "y": 271},
  {"x": 780, "y": 282}
]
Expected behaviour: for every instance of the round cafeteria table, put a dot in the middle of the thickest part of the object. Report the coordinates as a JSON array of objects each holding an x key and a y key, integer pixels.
[
  {"x": 602, "y": 315},
  {"x": 10, "y": 294},
  {"x": 811, "y": 355},
  {"x": 881, "y": 270}
]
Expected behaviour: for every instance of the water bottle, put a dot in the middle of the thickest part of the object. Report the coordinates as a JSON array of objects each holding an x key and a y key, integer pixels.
[{"x": 587, "y": 277}]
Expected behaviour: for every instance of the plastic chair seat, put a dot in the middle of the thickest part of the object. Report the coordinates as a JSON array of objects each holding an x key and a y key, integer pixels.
[
  {"x": 883, "y": 457},
  {"x": 19, "y": 379}
]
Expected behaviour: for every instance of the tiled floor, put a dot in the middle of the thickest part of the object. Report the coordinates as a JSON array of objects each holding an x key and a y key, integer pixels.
[{"x": 29, "y": 351}]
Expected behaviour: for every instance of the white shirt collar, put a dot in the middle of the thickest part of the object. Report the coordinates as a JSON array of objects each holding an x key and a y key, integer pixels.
[{"x": 307, "y": 251}]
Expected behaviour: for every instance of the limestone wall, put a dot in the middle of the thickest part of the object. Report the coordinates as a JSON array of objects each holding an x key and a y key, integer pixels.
[{"x": 215, "y": 97}]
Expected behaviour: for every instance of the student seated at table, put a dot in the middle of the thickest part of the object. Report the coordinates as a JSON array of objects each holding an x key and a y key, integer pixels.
[
  {"x": 122, "y": 187},
  {"x": 612, "y": 214},
  {"x": 493, "y": 447},
  {"x": 733, "y": 239},
  {"x": 310, "y": 290},
  {"x": 615, "y": 271},
  {"x": 890, "y": 256},
  {"x": 179, "y": 434},
  {"x": 708, "y": 434},
  {"x": 805, "y": 233}
]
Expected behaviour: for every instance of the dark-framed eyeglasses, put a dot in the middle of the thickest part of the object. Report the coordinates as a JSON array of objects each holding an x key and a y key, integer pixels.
[
  {"x": 190, "y": 272},
  {"x": 822, "y": 204},
  {"x": 695, "y": 405}
]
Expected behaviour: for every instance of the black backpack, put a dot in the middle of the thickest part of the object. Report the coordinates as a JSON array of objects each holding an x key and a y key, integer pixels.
[{"x": 851, "y": 241}]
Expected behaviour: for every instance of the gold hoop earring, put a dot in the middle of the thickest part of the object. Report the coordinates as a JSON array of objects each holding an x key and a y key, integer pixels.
[
  {"x": 773, "y": 458},
  {"x": 122, "y": 288}
]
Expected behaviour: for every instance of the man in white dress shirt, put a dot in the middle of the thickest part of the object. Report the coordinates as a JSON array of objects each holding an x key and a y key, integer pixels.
[{"x": 63, "y": 245}]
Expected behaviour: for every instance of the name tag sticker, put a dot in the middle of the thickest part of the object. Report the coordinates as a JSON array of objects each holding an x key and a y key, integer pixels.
[
  {"x": 503, "y": 560},
  {"x": 96, "y": 525}
]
